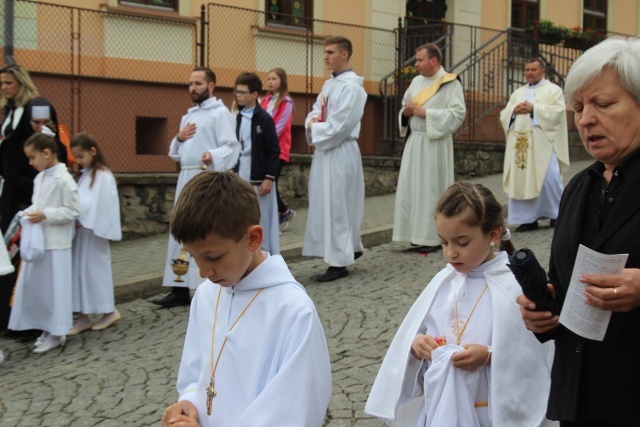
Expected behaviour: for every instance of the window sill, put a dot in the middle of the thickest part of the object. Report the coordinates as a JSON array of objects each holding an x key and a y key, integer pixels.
[
  {"x": 285, "y": 31},
  {"x": 169, "y": 15}
]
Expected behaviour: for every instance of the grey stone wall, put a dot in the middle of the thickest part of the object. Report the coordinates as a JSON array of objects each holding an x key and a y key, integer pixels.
[{"x": 146, "y": 200}]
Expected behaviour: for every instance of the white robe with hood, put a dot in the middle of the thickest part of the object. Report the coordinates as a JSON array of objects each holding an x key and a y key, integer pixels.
[
  {"x": 427, "y": 161},
  {"x": 336, "y": 180},
  {"x": 532, "y": 176},
  {"x": 215, "y": 133},
  {"x": 518, "y": 377},
  {"x": 274, "y": 369}
]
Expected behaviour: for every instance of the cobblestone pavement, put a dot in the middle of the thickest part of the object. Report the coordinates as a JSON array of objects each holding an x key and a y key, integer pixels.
[{"x": 126, "y": 374}]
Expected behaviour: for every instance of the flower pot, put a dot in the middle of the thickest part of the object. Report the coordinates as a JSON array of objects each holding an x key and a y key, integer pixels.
[
  {"x": 579, "y": 44},
  {"x": 549, "y": 38}
]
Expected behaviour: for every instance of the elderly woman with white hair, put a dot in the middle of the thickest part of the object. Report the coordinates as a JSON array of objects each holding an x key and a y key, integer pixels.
[{"x": 597, "y": 383}]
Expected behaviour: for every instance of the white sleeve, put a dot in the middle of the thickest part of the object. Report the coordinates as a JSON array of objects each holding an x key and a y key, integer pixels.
[
  {"x": 442, "y": 122},
  {"x": 341, "y": 121},
  {"x": 298, "y": 395},
  {"x": 189, "y": 372},
  {"x": 225, "y": 157},
  {"x": 70, "y": 209}
]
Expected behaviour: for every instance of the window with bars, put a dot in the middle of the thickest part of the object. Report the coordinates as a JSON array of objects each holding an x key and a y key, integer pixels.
[
  {"x": 296, "y": 13},
  {"x": 595, "y": 15},
  {"x": 154, "y": 4}
]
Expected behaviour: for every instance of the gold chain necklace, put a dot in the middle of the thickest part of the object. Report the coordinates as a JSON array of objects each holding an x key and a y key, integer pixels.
[
  {"x": 211, "y": 390},
  {"x": 459, "y": 335}
]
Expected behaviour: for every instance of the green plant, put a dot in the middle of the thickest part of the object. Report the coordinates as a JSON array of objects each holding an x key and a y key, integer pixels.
[
  {"x": 550, "y": 33},
  {"x": 579, "y": 38}
]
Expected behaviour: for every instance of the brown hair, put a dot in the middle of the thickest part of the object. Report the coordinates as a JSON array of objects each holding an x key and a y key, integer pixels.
[
  {"x": 41, "y": 142},
  {"x": 486, "y": 210},
  {"x": 433, "y": 51},
  {"x": 27, "y": 89},
  {"x": 209, "y": 75},
  {"x": 251, "y": 80},
  {"x": 86, "y": 141},
  {"x": 344, "y": 44},
  {"x": 532, "y": 60},
  {"x": 284, "y": 87},
  {"x": 214, "y": 202}
]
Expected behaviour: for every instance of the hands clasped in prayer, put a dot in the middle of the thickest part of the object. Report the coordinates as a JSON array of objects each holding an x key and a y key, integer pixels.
[
  {"x": 523, "y": 108},
  {"x": 414, "y": 110},
  {"x": 473, "y": 357}
]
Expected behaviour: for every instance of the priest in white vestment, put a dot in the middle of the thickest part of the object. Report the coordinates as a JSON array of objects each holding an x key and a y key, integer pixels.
[
  {"x": 207, "y": 140},
  {"x": 336, "y": 180},
  {"x": 433, "y": 108},
  {"x": 537, "y": 149}
]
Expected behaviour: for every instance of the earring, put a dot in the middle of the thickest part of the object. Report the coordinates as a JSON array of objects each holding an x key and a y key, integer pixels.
[{"x": 492, "y": 244}]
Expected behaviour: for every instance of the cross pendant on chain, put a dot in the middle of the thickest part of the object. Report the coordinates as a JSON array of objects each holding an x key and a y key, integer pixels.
[{"x": 211, "y": 393}]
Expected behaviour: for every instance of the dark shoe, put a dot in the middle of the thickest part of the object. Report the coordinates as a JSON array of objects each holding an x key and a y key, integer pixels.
[
  {"x": 527, "y": 227},
  {"x": 175, "y": 298},
  {"x": 429, "y": 249},
  {"x": 333, "y": 273},
  {"x": 357, "y": 255},
  {"x": 552, "y": 223}
]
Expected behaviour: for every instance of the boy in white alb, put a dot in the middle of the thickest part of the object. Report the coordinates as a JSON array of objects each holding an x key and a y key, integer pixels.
[{"x": 255, "y": 353}]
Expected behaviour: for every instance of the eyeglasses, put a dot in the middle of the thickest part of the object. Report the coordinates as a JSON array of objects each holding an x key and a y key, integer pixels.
[{"x": 242, "y": 92}]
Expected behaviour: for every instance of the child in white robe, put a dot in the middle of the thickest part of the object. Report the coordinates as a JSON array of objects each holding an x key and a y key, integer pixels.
[
  {"x": 99, "y": 222},
  {"x": 460, "y": 357},
  {"x": 43, "y": 290},
  {"x": 255, "y": 353}
]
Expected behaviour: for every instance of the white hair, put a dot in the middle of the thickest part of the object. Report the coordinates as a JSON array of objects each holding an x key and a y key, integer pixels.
[{"x": 622, "y": 55}]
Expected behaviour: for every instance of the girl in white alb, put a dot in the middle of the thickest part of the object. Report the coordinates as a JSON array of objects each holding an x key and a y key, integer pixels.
[
  {"x": 461, "y": 356},
  {"x": 99, "y": 222},
  {"x": 43, "y": 290}
]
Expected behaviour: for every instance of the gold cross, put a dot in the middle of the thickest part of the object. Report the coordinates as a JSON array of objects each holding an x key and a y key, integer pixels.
[{"x": 211, "y": 393}]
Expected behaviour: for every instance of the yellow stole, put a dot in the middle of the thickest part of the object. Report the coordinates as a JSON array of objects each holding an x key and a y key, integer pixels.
[{"x": 427, "y": 93}]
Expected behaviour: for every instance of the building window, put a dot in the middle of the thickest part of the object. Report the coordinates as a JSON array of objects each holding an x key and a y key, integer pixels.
[
  {"x": 524, "y": 13},
  {"x": 595, "y": 15},
  {"x": 296, "y": 13},
  {"x": 152, "y": 4},
  {"x": 151, "y": 134}
]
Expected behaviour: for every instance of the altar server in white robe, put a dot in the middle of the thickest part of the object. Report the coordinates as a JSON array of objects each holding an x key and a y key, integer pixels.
[
  {"x": 459, "y": 357},
  {"x": 336, "y": 180},
  {"x": 99, "y": 222},
  {"x": 207, "y": 140},
  {"x": 537, "y": 149},
  {"x": 43, "y": 291},
  {"x": 255, "y": 353},
  {"x": 433, "y": 108}
]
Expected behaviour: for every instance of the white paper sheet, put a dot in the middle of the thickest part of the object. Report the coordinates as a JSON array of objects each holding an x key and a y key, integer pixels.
[{"x": 583, "y": 319}]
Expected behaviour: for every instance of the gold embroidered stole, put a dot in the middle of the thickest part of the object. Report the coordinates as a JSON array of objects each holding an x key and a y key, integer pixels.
[{"x": 427, "y": 93}]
